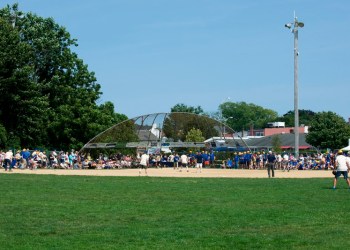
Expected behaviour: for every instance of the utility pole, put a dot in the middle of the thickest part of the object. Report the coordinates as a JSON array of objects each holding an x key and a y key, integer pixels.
[{"x": 296, "y": 24}]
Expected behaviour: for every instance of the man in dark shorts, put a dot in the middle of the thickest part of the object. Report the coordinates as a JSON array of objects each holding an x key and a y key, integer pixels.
[{"x": 342, "y": 165}]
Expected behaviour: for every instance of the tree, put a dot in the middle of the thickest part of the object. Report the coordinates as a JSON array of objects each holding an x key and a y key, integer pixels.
[
  {"x": 177, "y": 125},
  {"x": 3, "y": 136},
  {"x": 243, "y": 115},
  {"x": 305, "y": 117},
  {"x": 328, "y": 130},
  {"x": 276, "y": 144},
  {"x": 50, "y": 93},
  {"x": 188, "y": 109},
  {"x": 22, "y": 105},
  {"x": 194, "y": 135}
]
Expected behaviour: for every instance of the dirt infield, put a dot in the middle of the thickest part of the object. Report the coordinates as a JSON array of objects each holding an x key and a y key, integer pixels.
[{"x": 169, "y": 172}]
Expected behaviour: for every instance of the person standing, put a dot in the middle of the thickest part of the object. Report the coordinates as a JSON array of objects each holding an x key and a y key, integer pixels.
[
  {"x": 176, "y": 161},
  {"x": 285, "y": 162},
  {"x": 144, "y": 162},
  {"x": 184, "y": 161},
  {"x": 8, "y": 160},
  {"x": 271, "y": 159},
  {"x": 26, "y": 155},
  {"x": 342, "y": 165},
  {"x": 171, "y": 160},
  {"x": 212, "y": 158},
  {"x": 199, "y": 162},
  {"x": 205, "y": 158},
  {"x": 236, "y": 158}
]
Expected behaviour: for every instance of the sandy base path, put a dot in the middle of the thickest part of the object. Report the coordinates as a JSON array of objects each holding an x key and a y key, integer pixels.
[{"x": 169, "y": 172}]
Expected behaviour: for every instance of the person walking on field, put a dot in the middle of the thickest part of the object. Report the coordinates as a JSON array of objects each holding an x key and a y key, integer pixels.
[
  {"x": 271, "y": 159},
  {"x": 342, "y": 166},
  {"x": 144, "y": 162}
]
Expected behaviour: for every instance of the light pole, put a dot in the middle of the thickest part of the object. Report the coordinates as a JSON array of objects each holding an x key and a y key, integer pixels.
[{"x": 296, "y": 24}]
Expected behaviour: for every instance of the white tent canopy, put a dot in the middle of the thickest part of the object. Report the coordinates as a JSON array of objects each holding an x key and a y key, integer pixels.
[{"x": 347, "y": 148}]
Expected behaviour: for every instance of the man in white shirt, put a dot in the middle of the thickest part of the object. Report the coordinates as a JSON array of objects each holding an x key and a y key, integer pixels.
[
  {"x": 342, "y": 165},
  {"x": 285, "y": 162},
  {"x": 8, "y": 160},
  {"x": 144, "y": 162},
  {"x": 184, "y": 161}
]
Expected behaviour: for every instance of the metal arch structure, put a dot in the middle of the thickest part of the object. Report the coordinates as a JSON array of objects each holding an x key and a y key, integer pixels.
[{"x": 166, "y": 130}]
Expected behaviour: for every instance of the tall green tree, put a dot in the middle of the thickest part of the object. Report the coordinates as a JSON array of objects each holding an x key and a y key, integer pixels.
[
  {"x": 328, "y": 130},
  {"x": 22, "y": 105},
  {"x": 52, "y": 94},
  {"x": 241, "y": 115}
]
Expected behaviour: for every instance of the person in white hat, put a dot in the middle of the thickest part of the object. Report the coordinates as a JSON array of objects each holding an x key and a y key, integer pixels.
[{"x": 271, "y": 159}]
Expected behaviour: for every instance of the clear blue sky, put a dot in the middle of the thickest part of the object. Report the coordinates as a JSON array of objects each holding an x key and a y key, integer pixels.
[{"x": 149, "y": 55}]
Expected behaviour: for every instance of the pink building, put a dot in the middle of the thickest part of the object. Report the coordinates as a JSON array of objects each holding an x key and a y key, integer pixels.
[
  {"x": 287, "y": 130},
  {"x": 276, "y": 130}
]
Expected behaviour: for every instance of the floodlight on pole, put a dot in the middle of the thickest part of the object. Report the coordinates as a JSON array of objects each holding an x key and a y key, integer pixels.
[{"x": 296, "y": 24}]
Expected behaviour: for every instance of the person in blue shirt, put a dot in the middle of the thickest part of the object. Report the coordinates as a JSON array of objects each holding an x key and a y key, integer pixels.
[
  {"x": 248, "y": 159},
  {"x": 212, "y": 157},
  {"x": 271, "y": 159},
  {"x": 176, "y": 161},
  {"x": 25, "y": 155},
  {"x": 205, "y": 158},
  {"x": 241, "y": 160},
  {"x": 229, "y": 163},
  {"x": 163, "y": 161},
  {"x": 199, "y": 162},
  {"x": 328, "y": 161}
]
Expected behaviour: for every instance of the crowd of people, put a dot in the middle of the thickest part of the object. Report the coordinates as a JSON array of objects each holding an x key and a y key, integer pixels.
[
  {"x": 25, "y": 159},
  {"x": 284, "y": 161},
  {"x": 33, "y": 159}
]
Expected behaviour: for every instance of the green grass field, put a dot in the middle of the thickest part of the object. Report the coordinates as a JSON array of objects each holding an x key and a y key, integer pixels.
[{"x": 76, "y": 212}]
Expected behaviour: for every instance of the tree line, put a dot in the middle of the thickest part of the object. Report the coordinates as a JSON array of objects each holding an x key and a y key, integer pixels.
[{"x": 327, "y": 130}]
